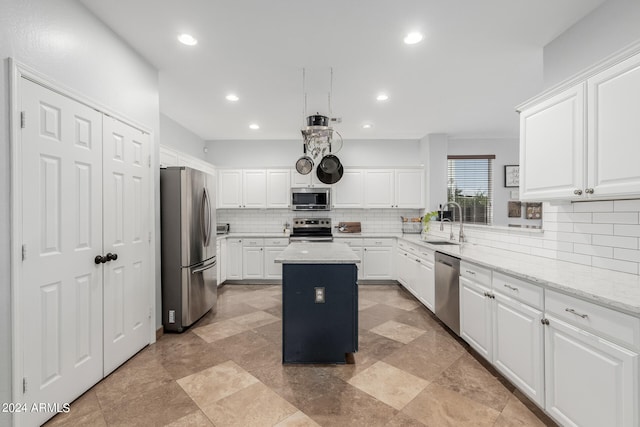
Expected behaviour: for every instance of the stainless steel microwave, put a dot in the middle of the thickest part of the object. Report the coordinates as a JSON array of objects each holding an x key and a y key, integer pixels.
[{"x": 311, "y": 199}]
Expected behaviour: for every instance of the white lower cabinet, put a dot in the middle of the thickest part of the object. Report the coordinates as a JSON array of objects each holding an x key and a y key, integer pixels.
[
  {"x": 378, "y": 263},
  {"x": 252, "y": 262},
  {"x": 475, "y": 317},
  {"x": 273, "y": 248},
  {"x": 222, "y": 261},
  {"x": 414, "y": 270},
  {"x": 591, "y": 363},
  {"x": 501, "y": 318},
  {"x": 518, "y": 352},
  {"x": 234, "y": 260}
]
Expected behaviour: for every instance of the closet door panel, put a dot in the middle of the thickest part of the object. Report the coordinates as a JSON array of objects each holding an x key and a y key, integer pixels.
[
  {"x": 61, "y": 286},
  {"x": 126, "y": 235}
]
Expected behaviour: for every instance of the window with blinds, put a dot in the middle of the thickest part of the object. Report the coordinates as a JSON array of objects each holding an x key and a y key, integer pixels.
[{"x": 470, "y": 184}]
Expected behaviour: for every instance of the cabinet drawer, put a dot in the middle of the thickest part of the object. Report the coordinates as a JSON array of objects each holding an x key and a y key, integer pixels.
[
  {"x": 276, "y": 241},
  {"x": 252, "y": 242},
  {"x": 619, "y": 327},
  {"x": 475, "y": 272},
  {"x": 403, "y": 245},
  {"x": 426, "y": 254},
  {"x": 520, "y": 290},
  {"x": 354, "y": 242},
  {"x": 378, "y": 242}
]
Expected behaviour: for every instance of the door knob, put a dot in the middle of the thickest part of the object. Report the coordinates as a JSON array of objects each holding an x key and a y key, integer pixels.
[
  {"x": 111, "y": 257},
  {"x": 99, "y": 259}
]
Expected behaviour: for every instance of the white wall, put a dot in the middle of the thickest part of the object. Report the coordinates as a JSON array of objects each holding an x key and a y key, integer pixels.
[
  {"x": 275, "y": 153},
  {"x": 609, "y": 28},
  {"x": 174, "y": 135},
  {"x": 62, "y": 40}
]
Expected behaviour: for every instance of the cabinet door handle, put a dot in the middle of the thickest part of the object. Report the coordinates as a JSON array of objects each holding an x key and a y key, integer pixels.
[
  {"x": 544, "y": 321},
  {"x": 510, "y": 287},
  {"x": 589, "y": 190},
  {"x": 471, "y": 272},
  {"x": 572, "y": 311},
  {"x": 577, "y": 192}
]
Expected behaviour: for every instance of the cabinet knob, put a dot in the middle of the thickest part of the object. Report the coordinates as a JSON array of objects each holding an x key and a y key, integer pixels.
[
  {"x": 577, "y": 192},
  {"x": 544, "y": 321},
  {"x": 589, "y": 190}
]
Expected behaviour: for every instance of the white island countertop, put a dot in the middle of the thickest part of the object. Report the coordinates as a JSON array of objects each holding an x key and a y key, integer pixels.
[{"x": 317, "y": 253}]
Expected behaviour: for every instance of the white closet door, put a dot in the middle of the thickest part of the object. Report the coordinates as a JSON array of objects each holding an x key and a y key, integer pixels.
[
  {"x": 61, "y": 301},
  {"x": 126, "y": 234}
]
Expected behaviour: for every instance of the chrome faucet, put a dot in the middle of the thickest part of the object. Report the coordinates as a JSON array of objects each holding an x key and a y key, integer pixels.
[
  {"x": 442, "y": 227},
  {"x": 461, "y": 234}
]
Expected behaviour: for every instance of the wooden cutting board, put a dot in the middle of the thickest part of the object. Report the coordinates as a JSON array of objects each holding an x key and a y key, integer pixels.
[{"x": 350, "y": 227}]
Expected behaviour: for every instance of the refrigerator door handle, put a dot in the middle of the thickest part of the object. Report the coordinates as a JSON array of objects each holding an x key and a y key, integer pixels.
[
  {"x": 206, "y": 213},
  {"x": 204, "y": 267}
]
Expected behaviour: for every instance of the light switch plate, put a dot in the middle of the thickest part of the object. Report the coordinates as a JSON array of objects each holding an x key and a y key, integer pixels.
[{"x": 319, "y": 295}]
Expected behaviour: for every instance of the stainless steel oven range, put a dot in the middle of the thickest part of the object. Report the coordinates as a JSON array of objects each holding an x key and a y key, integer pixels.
[{"x": 311, "y": 230}]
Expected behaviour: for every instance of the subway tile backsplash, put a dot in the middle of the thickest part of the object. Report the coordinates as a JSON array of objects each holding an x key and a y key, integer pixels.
[
  {"x": 603, "y": 234},
  {"x": 273, "y": 220}
]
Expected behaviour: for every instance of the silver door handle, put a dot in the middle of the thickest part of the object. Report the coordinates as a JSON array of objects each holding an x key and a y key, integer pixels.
[
  {"x": 572, "y": 311},
  {"x": 204, "y": 268},
  {"x": 471, "y": 272},
  {"x": 510, "y": 287}
]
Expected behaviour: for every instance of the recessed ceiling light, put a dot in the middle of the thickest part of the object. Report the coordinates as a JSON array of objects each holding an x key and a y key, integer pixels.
[
  {"x": 413, "y": 38},
  {"x": 367, "y": 126},
  {"x": 187, "y": 39},
  {"x": 232, "y": 97},
  {"x": 382, "y": 97},
  {"x": 254, "y": 126}
]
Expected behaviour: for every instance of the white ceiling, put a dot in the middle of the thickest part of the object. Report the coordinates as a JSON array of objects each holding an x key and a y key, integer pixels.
[{"x": 479, "y": 59}]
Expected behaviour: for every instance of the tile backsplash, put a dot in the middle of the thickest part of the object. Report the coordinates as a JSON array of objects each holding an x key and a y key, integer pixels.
[
  {"x": 603, "y": 234},
  {"x": 273, "y": 220}
]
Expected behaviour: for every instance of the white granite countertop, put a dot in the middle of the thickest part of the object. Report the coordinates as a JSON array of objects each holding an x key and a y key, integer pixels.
[
  {"x": 620, "y": 291},
  {"x": 252, "y": 235},
  {"x": 339, "y": 235},
  {"x": 317, "y": 253}
]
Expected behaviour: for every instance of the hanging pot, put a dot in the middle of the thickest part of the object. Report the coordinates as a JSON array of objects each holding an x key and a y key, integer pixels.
[
  {"x": 332, "y": 171},
  {"x": 329, "y": 164},
  {"x": 317, "y": 120},
  {"x": 304, "y": 165}
]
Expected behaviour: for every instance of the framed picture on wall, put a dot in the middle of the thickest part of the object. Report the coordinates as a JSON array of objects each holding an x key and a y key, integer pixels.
[
  {"x": 514, "y": 210},
  {"x": 512, "y": 175},
  {"x": 534, "y": 211}
]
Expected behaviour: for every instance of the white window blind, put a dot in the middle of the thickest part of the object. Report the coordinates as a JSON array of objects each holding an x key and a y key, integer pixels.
[{"x": 470, "y": 184}]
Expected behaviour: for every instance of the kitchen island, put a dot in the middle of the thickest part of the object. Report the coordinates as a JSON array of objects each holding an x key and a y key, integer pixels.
[{"x": 319, "y": 302}]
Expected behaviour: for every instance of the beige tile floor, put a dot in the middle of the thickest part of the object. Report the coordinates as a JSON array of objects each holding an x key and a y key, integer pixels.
[{"x": 227, "y": 371}]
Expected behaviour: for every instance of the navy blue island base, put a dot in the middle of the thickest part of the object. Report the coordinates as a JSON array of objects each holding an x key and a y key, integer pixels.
[{"x": 319, "y": 312}]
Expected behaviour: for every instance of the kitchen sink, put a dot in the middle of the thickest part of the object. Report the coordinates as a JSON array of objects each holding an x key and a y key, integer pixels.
[{"x": 441, "y": 242}]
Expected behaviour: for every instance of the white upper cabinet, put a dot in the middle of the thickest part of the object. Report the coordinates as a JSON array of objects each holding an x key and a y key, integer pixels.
[
  {"x": 552, "y": 147},
  {"x": 278, "y": 188},
  {"x": 582, "y": 143},
  {"x": 614, "y": 130},
  {"x": 254, "y": 186},
  {"x": 349, "y": 191},
  {"x": 409, "y": 186},
  {"x": 238, "y": 188},
  {"x": 379, "y": 188},
  {"x": 230, "y": 188}
]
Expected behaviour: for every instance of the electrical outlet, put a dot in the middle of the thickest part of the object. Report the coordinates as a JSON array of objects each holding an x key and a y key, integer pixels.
[{"x": 319, "y": 295}]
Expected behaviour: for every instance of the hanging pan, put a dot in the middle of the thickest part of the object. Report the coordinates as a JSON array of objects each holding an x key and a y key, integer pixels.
[
  {"x": 304, "y": 165},
  {"x": 330, "y": 170}
]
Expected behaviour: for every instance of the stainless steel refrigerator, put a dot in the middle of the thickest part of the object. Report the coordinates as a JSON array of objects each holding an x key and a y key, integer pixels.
[{"x": 189, "y": 271}]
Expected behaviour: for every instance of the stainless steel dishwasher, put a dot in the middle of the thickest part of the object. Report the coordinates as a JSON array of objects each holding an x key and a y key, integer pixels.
[{"x": 447, "y": 302}]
